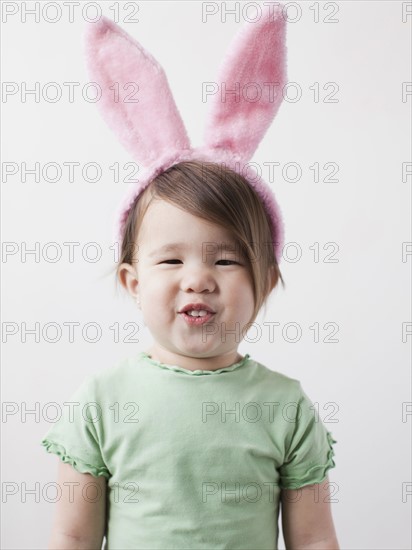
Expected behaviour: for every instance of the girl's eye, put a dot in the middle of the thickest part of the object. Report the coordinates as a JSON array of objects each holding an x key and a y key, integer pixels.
[
  {"x": 170, "y": 261},
  {"x": 167, "y": 261},
  {"x": 230, "y": 261}
]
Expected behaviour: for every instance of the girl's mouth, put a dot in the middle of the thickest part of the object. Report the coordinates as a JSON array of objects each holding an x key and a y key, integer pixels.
[{"x": 194, "y": 321}]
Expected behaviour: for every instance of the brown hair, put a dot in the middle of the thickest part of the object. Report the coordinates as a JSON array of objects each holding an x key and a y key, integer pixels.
[{"x": 219, "y": 195}]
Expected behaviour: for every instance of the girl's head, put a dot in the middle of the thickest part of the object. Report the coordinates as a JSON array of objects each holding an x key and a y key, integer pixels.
[
  {"x": 201, "y": 206},
  {"x": 188, "y": 199}
]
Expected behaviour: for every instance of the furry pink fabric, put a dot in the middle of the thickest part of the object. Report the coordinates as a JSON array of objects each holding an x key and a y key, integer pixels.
[{"x": 138, "y": 106}]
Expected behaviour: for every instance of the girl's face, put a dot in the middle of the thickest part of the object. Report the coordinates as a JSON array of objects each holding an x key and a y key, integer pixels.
[{"x": 194, "y": 271}]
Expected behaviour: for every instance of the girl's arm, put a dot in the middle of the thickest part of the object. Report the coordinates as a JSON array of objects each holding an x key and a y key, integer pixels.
[
  {"x": 80, "y": 519},
  {"x": 307, "y": 518}
]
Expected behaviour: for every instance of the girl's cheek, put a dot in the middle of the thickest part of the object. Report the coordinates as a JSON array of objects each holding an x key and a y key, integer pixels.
[{"x": 159, "y": 283}]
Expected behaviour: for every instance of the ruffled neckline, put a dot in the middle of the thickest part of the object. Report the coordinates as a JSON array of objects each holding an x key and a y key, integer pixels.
[{"x": 199, "y": 372}]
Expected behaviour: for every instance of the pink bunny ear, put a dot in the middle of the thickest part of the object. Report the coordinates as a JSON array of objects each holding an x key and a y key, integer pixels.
[
  {"x": 251, "y": 80},
  {"x": 136, "y": 100}
]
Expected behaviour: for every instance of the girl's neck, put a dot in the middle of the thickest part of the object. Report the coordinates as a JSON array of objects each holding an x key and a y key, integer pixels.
[{"x": 211, "y": 363}]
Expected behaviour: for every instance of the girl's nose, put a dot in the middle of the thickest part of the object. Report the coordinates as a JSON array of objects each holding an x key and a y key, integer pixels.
[{"x": 198, "y": 279}]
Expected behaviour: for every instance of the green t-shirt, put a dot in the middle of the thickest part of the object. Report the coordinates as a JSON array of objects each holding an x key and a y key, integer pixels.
[{"x": 193, "y": 459}]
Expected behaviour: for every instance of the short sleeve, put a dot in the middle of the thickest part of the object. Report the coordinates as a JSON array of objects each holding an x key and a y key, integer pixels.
[
  {"x": 74, "y": 437},
  {"x": 310, "y": 453}
]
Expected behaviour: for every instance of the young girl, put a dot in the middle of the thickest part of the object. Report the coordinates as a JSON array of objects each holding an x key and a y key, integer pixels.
[{"x": 190, "y": 444}]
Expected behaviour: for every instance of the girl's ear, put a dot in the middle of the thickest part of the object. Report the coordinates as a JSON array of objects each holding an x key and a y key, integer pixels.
[
  {"x": 128, "y": 279},
  {"x": 136, "y": 100},
  {"x": 250, "y": 83}
]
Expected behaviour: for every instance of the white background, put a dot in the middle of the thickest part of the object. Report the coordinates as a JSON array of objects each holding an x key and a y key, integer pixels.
[{"x": 364, "y": 376}]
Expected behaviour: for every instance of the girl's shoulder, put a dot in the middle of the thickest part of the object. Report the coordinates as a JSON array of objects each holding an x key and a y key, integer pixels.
[
  {"x": 273, "y": 374},
  {"x": 114, "y": 376},
  {"x": 128, "y": 375},
  {"x": 275, "y": 381}
]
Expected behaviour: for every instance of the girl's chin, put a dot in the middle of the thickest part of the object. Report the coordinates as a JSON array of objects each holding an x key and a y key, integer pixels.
[{"x": 195, "y": 350}]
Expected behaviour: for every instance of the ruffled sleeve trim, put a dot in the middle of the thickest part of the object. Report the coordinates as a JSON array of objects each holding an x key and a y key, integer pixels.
[
  {"x": 77, "y": 463},
  {"x": 315, "y": 474}
]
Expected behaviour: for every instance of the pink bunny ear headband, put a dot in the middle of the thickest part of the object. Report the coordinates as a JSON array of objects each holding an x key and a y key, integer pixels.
[{"x": 151, "y": 128}]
